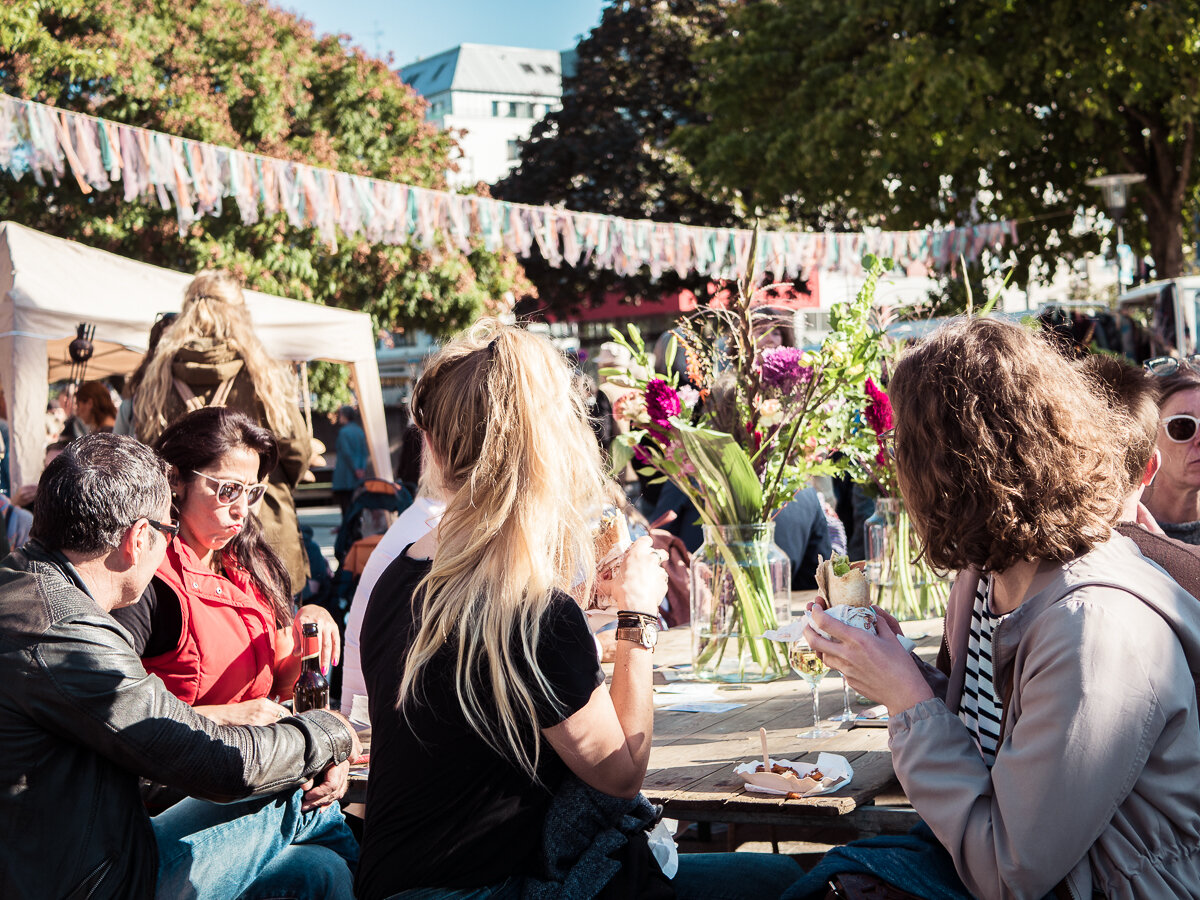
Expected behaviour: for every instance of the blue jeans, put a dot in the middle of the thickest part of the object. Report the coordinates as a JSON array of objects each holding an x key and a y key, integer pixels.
[
  {"x": 734, "y": 876},
  {"x": 264, "y": 848},
  {"x": 510, "y": 889},
  {"x": 701, "y": 876}
]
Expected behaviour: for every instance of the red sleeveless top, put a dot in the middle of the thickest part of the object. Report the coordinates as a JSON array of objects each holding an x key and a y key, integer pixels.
[{"x": 226, "y": 649}]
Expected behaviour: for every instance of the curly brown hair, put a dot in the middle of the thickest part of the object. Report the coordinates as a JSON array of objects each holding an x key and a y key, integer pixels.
[{"x": 1003, "y": 451}]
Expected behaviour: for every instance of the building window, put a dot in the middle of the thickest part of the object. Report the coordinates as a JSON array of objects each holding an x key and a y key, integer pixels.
[
  {"x": 527, "y": 68},
  {"x": 549, "y": 70},
  {"x": 499, "y": 108},
  {"x": 514, "y": 151}
]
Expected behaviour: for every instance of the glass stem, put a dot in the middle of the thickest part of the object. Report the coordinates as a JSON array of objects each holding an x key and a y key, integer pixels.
[
  {"x": 847, "y": 713},
  {"x": 816, "y": 706}
]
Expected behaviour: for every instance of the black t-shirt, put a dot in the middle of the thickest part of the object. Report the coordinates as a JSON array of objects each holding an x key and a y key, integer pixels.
[
  {"x": 155, "y": 621},
  {"x": 443, "y": 808}
]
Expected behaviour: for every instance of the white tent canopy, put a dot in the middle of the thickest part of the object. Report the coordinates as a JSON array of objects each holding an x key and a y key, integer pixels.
[{"x": 49, "y": 285}]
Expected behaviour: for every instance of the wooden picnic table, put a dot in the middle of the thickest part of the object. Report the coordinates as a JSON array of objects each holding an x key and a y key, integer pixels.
[{"x": 694, "y": 753}]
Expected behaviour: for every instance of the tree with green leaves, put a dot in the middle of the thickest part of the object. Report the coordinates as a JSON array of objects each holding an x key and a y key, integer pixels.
[
  {"x": 608, "y": 149},
  {"x": 251, "y": 76},
  {"x": 873, "y": 113}
]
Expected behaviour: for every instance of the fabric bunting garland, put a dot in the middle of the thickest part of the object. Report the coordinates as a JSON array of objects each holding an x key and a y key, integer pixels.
[{"x": 196, "y": 178}]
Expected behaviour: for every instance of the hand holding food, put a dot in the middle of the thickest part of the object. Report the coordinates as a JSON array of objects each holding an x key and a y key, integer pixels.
[{"x": 848, "y": 596}]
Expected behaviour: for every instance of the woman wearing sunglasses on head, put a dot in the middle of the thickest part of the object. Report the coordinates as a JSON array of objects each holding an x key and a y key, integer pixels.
[
  {"x": 210, "y": 355},
  {"x": 217, "y": 623},
  {"x": 1173, "y": 498}
]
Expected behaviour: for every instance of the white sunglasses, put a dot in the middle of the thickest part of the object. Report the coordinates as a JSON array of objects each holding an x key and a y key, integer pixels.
[
  {"x": 229, "y": 491},
  {"x": 1181, "y": 428}
]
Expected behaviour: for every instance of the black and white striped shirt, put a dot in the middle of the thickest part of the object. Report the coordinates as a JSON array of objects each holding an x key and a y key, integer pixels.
[{"x": 981, "y": 707}]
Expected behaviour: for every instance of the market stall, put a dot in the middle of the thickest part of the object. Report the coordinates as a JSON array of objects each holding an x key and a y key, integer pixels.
[{"x": 49, "y": 285}]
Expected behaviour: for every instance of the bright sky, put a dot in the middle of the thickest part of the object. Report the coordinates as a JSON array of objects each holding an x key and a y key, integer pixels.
[{"x": 418, "y": 29}]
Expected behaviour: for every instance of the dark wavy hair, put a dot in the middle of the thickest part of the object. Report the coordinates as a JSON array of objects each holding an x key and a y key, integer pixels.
[
  {"x": 1004, "y": 452},
  {"x": 198, "y": 440},
  {"x": 1133, "y": 392}
]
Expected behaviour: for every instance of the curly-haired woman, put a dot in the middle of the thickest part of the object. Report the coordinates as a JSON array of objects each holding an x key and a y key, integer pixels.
[
  {"x": 1061, "y": 755},
  {"x": 210, "y": 356}
]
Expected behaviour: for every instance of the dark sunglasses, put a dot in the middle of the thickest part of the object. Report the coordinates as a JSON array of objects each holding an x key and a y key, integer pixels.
[
  {"x": 1169, "y": 365},
  {"x": 164, "y": 528},
  {"x": 231, "y": 491},
  {"x": 1181, "y": 428}
]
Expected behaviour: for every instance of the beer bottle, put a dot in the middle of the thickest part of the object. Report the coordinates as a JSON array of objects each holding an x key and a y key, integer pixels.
[{"x": 311, "y": 690}]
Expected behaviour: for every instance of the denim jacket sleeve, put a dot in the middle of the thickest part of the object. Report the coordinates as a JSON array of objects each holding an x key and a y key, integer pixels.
[
  {"x": 95, "y": 691},
  {"x": 1083, "y": 717}
]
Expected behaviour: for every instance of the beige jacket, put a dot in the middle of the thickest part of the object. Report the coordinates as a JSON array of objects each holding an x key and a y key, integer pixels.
[
  {"x": 1097, "y": 778},
  {"x": 203, "y": 366}
]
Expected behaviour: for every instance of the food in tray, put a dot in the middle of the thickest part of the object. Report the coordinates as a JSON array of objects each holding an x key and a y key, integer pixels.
[
  {"x": 777, "y": 769},
  {"x": 801, "y": 779}
]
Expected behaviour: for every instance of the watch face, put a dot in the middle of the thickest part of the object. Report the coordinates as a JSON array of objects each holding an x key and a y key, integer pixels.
[{"x": 649, "y": 635}]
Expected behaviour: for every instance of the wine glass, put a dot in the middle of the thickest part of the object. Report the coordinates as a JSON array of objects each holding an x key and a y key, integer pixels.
[
  {"x": 812, "y": 669},
  {"x": 847, "y": 714}
]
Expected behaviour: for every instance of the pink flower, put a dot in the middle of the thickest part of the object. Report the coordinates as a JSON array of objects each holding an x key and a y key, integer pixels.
[
  {"x": 662, "y": 403},
  {"x": 879, "y": 410}
]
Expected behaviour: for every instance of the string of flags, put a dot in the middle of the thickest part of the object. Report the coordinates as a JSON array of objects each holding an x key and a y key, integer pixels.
[{"x": 52, "y": 145}]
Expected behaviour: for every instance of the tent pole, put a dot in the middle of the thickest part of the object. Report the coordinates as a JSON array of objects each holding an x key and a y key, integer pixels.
[{"x": 307, "y": 394}]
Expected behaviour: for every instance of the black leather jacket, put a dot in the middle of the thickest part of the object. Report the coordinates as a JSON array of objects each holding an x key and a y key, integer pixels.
[{"x": 80, "y": 720}]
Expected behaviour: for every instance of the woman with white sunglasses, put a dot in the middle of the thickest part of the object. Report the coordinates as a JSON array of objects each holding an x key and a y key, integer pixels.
[
  {"x": 1174, "y": 496},
  {"x": 217, "y": 623}
]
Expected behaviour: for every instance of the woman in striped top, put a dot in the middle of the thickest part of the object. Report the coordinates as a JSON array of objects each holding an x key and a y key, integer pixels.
[{"x": 1057, "y": 756}]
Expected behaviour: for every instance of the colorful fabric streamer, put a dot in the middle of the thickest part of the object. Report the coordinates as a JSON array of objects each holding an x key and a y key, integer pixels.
[{"x": 195, "y": 177}]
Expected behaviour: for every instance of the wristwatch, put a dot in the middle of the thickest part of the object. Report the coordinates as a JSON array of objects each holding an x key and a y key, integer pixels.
[{"x": 642, "y": 630}]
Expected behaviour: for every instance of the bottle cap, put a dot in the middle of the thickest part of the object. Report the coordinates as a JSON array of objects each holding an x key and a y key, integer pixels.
[{"x": 309, "y": 629}]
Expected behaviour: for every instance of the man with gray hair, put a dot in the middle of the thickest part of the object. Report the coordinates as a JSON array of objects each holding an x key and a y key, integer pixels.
[{"x": 80, "y": 720}]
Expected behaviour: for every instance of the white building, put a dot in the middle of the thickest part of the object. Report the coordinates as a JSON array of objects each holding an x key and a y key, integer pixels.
[{"x": 492, "y": 96}]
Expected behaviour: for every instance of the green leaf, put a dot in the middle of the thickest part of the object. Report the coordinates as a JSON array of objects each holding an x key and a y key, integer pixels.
[
  {"x": 725, "y": 469},
  {"x": 621, "y": 452}
]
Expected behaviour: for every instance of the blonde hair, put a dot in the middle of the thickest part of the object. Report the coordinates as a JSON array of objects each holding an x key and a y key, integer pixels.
[
  {"x": 215, "y": 308},
  {"x": 521, "y": 473}
]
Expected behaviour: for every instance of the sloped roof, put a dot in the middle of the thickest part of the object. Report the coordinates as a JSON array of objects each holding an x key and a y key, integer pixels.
[{"x": 488, "y": 68}]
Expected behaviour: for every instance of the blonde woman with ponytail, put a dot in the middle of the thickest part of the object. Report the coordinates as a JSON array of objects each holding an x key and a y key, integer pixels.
[
  {"x": 486, "y": 694},
  {"x": 211, "y": 356}
]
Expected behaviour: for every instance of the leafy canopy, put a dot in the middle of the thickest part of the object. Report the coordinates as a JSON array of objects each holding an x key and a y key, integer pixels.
[
  {"x": 904, "y": 115},
  {"x": 246, "y": 75}
]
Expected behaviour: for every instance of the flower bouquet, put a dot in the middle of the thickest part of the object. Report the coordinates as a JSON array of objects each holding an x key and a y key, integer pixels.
[{"x": 750, "y": 426}]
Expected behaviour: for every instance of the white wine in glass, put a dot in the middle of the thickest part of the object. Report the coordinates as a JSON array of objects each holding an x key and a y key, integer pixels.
[{"x": 812, "y": 669}]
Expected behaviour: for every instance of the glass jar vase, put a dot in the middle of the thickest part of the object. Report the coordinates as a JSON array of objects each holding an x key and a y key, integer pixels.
[
  {"x": 902, "y": 582},
  {"x": 740, "y": 587}
]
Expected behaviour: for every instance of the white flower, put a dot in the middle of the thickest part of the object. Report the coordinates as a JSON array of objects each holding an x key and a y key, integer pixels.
[
  {"x": 688, "y": 396},
  {"x": 770, "y": 412}
]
